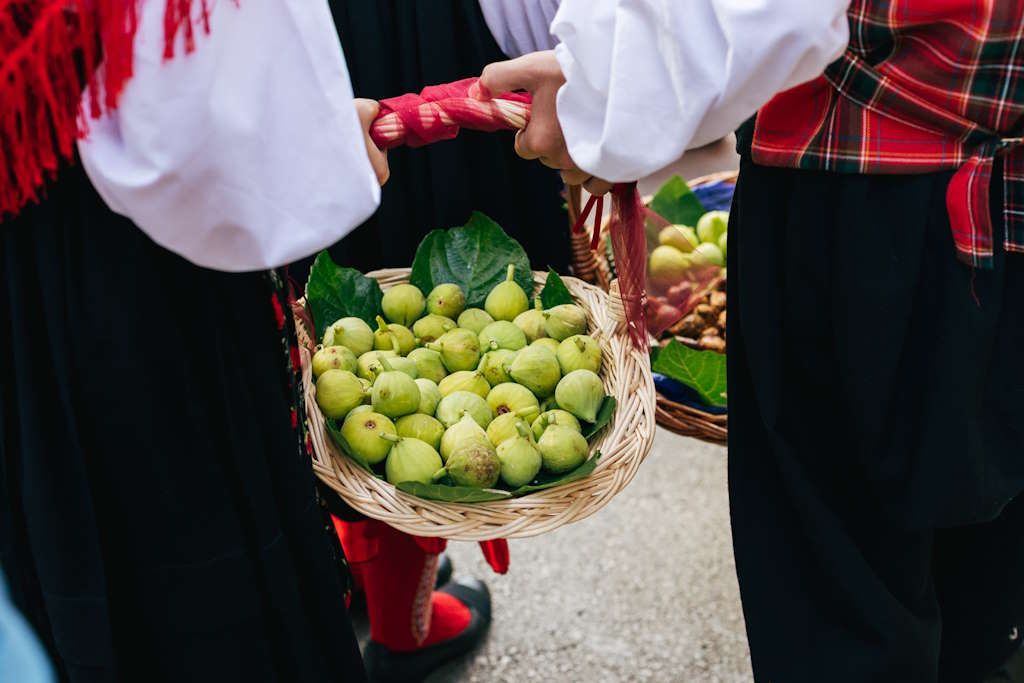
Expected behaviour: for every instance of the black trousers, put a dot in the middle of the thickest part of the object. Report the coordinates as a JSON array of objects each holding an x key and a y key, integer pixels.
[{"x": 876, "y": 451}]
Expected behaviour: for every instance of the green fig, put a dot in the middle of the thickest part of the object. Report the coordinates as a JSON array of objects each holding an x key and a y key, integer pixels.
[
  {"x": 565, "y": 320},
  {"x": 333, "y": 358},
  {"x": 430, "y": 396},
  {"x": 502, "y": 334},
  {"x": 368, "y": 367},
  {"x": 520, "y": 459},
  {"x": 493, "y": 365},
  {"x": 579, "y": 352},
  {"x": 365, "y": 408},
  {"x": 451, "y": 408},
  {"x": 708, "y": 254},
  {"x": 537, "y": 369},
  {"x": 446, "y": 299},
  {"x": 411, "y": 459},
  {"x": 400, "y": 364},
  {"x": 504, "y": 427},
  {"x": 428, "y": 364},
  {"x": 513, "y": 398},
  {"x": 531, "y": 322},
  {"x": 556, "y": 416},
  {"x": 547, "y": 343},
  {"x": 389, "y": 334},
  {"x": 362, "y": 433},
  {"x": 507, "y": 300},
  {"x": 474, "y": 463},
  {"x": 475, "y": 319},
  {"x": 403, "y": 304},
  {"x": 465, "y": 380},
  {"x": 338, "y": 392},
  {"x": 459, "y": 349},
  {"x": 581, "y": 393},
  {"x": 395, "y": 393},
  {"x": 430, "y": 328},
  {"x": 682, "y": 237},
  {"x": 723, "y": 243},
  {"x": 422, "y": 427},
  {"x": 711, "y": 225},
  {"x": 668, "y": 266},
  {"x": 464, "y": 430},
  {"x": 548, "y": 404},
  {"x": 562, "y": 449},
  {"x": 352, "y": 333}
]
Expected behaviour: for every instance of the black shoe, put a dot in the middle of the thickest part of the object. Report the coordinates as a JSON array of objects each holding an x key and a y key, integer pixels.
[
  {"x": 444, "y": 575},
  {"x": 1012, "y": 670},
  {"x": 385, "y": 666}
]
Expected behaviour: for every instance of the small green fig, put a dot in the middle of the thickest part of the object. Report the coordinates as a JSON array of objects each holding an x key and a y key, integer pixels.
[
  {"x": 493, "y": 365},
  {"x": 430, "y": 328},
  {"x": 531, "y": 322},
  {"x": 562, "y": 449},
  {"x": 368, "y": 367},
  {"x": 428, "y": 364},
  {"x": 395, "y": 393},
  {"x": 668, "y": 266},
  {"x": 708, "y": 254},
  {"x": 446, "y": 299},
  {"x": 507, "y": 300},
  {"x": 536, "y": 368},
  {"x": 422, "y": 427},
  {"x": 682, "y": 237},
  {"x": 579, "y": 352},
  {"x": 403, "y": 304},
  {"x": 474, "y": 463},
  {"x": 365, "y": 408},
  {"x": 504, "y": 427},
  {"x": 333, "y": 358},
  {"x": 464, "y": 430},
  {"x": 390, "y": 334},
  {"x": 451, "y": 408},
  {"x": 581, "y": 393},
  {"x": 723, "y": 243},
  {"x": 367, "y": 390},
  {"x": 459, "y": 349},
  {"x": 501, "y": 334},
  {"x": 548, "y": 404},
  {"x": 475, "y": 319},
  {"x": 362, "y": 433},
  {"x": 411, "y": 459},
  {"x": 520, "y": 459},
  {"x": 556, "y": 416},
  {"x": 513, "y": 398},
  {"x": 397, "y": 363},
  {"x": 430, "y": 396},
  {"x": 547, "y": 343},
  {"x": 565, "y": 320},
  {"x": 465, "y": 380},
  {"x": 338, "y": 392},
  {"x": 352, "y": 333},
  {"x": 711, "y": 225}
]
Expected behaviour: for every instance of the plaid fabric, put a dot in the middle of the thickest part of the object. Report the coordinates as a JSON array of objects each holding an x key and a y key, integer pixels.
[{"x": 924, "y": 85}]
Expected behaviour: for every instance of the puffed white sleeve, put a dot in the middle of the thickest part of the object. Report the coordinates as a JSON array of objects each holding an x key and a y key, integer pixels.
[
  {"x": 520, "y": 26},
  {"x": 648, "y": 79},
  {"x": 245, "y": 154}
]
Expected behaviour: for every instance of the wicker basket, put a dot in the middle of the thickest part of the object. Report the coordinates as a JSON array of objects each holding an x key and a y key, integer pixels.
[
  {"x": 593, "y": 266},
  {"x": 624, "y": 444}
]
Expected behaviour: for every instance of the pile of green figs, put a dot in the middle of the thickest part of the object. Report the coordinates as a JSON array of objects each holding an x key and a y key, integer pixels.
[{"x": 441, "y": 393}]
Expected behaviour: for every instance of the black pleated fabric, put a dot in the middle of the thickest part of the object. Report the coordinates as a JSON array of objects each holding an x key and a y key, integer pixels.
[
  {"x": 397, "y": 46},
  {"x": 157, "y": 521},
  {"x": 876, "y": 423}
]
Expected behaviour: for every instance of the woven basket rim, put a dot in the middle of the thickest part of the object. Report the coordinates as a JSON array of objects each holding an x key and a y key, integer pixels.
[{"x": 624, "y": 444}]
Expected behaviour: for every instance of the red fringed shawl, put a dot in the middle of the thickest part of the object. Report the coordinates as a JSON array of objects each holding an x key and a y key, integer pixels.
[{"x": 50, "y": 52}]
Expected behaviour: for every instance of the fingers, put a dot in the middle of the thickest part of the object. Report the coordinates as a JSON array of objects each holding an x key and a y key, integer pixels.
[
  {"x": 522, "y": 73},
  {"x": 367, "y": 111}
]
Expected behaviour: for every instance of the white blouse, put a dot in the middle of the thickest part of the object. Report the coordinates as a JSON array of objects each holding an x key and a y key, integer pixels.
[{"x": 245, "y": 154}]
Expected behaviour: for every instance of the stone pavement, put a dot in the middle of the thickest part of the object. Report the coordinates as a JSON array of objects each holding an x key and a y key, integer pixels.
[{"x": 644, "y": 590}]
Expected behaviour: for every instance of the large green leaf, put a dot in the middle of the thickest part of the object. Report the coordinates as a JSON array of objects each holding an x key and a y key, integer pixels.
[
  {"x": 333, "y": 292},
  {"x": 547, "y": 481},
  {"x": 451, "y": 494},
  {"x": 676, "y": 203},
  {"x": 702, "y": 371},
  {"x": 474, "y": 256},
  {"x": 604, "y": 414},
  {"x": 555, "y": 292}
]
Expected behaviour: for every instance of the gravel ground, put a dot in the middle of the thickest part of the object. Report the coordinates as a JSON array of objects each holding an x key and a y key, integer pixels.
[{"x": 644, "y": 590}]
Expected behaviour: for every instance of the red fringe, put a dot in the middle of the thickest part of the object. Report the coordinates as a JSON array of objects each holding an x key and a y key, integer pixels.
[
  {"x": 629, "y": 245},
  {"x": 44, "y": 47}
]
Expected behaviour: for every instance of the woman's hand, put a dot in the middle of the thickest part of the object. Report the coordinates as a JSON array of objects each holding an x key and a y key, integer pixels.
[
  {"x": 539, "y": 74},
  {"x": 368, "y": 110}
]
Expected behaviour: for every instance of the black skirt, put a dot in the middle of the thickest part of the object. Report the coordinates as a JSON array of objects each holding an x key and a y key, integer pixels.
[
  {"x": 876, "y": 424},
  {"x": 157, "y": 519}
]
